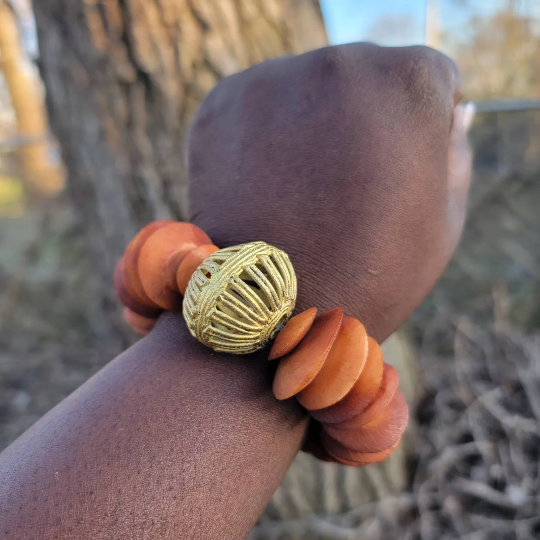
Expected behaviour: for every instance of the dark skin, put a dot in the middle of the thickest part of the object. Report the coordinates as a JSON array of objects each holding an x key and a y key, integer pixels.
[{"x": 345, "y": 157}]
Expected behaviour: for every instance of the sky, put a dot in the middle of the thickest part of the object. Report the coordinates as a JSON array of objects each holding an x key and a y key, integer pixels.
[
  {"x": 355, "y": 20},
  {"x": 402, "y": 22}
]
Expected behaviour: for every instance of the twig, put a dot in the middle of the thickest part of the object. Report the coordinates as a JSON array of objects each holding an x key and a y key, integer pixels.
[{"x": 484, "y": 492}]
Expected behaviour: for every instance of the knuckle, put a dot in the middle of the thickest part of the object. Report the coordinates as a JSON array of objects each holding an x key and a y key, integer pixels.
[
  {"x": 327, "y": 62},
  {"x": 342, "y": 63},
  {"x": 429, "y": 78},
  {"x": 423, "y": 78}
]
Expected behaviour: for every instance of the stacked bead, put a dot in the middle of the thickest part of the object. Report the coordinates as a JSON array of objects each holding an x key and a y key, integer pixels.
[
  {"x": 155, "y": 270},
  {"x": 336, "y": 371}
]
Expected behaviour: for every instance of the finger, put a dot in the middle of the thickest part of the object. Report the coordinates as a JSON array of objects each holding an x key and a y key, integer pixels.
[
  {"x": 459, "y": 166},
  {"x": 459, "y": 151}
]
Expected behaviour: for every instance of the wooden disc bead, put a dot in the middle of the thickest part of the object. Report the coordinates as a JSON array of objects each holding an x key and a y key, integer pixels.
[
  {"x": 300, "y": 367},
  {"x": 389, "y": 386},
  {"x": 141, "y": 325},
  {"x": 341, "y": 369},
  {"x": 346, "y": 456},
  {"x": 338, "y": 374},
  {"x": 378, "y": 434},
  {"x": 126, "y": 298},
  {"x": 293, "y": 333},
  {"x": 335, "y": 370},
  {"x": 361, "y": 394},
  {"x": 159, "y": 259},
  {"x": 131, "y": 261},
  {"x": 190, "y": 263},
  {"x": 146, "y": 277}
]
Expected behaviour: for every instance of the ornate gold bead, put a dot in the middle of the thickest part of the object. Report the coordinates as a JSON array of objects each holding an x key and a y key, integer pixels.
[{"x": 240, "y": 297}]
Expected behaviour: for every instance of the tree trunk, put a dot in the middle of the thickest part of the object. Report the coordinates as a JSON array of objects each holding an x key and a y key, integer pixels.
[
  {"x": 40, "y": 176},
  {"x": 123, "y": 79}
]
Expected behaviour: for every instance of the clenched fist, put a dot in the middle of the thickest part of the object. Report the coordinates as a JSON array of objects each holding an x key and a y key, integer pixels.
[{"x": 354, "y": 159}]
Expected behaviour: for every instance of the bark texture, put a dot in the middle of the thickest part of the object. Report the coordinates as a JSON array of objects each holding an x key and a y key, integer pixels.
[
  {"x": 40, "y": 176},
  {"x": 123, "y": 78}
]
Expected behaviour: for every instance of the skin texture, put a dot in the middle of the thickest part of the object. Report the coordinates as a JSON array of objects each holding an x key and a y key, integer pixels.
[
  {"x": 339, "y": 156},
  {"x": 168, "y": 441}
]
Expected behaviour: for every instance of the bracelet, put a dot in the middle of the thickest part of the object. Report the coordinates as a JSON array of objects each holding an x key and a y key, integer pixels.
[{"x": 237, "y": 300}]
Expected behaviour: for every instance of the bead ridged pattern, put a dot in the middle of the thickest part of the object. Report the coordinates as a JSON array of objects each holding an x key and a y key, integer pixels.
[{"x": 240, "y": 297}]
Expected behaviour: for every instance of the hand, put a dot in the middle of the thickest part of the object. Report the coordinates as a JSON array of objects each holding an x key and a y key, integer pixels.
[{"x": 353, "y": 159}]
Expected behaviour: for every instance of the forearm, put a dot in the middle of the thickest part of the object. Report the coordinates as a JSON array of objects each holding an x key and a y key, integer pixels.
[{"x": 170, "y": 440}]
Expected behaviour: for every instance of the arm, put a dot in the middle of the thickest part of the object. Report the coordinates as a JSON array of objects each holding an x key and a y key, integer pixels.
[
  {"x": 167, "y": 441},
  {"x": 340, "y": 156}
]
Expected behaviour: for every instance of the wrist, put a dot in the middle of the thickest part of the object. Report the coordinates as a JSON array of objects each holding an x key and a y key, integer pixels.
[{"x": 237, "y": 299}]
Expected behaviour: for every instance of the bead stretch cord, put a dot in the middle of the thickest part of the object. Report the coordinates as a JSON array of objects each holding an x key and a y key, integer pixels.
[{"x": 326, "y": 361}]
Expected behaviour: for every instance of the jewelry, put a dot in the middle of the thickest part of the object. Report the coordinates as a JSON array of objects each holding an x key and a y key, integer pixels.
[
  {"x": 236, "y": 300},
  {"x": 240, "y": 297}
]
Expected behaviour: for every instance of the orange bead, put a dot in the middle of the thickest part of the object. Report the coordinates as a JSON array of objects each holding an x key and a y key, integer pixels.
[
  {"x": 128, "y": 300},
  {"x": 160, "y": 257},
  {"x": 361, "y": 394},
  {"x": 293, "y": 333},
  {"x": 140, "y": 324},
  {"x": 388, "y": 388},
  {"x": 131, "y": 257},
  {"x": 141, "y": 331},
  {"x": 350, "y": 457},
  {"x": 190, "y": 263},
  {"x": 299, "y": 368},
  {"x": 341, "y": 369},
  {"x": 379, "y": 434}
]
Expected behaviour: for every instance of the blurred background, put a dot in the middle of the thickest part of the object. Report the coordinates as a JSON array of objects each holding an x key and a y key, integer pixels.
[{"x": 95, "y": 100}]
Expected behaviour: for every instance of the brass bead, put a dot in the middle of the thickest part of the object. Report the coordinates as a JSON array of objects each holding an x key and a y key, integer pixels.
[{"x": 240, "y": 297}]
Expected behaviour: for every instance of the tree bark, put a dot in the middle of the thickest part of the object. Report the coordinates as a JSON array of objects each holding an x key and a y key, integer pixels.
[
  {"x": 40, "y": 176},
  {"x": 123, "y": 79}
]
